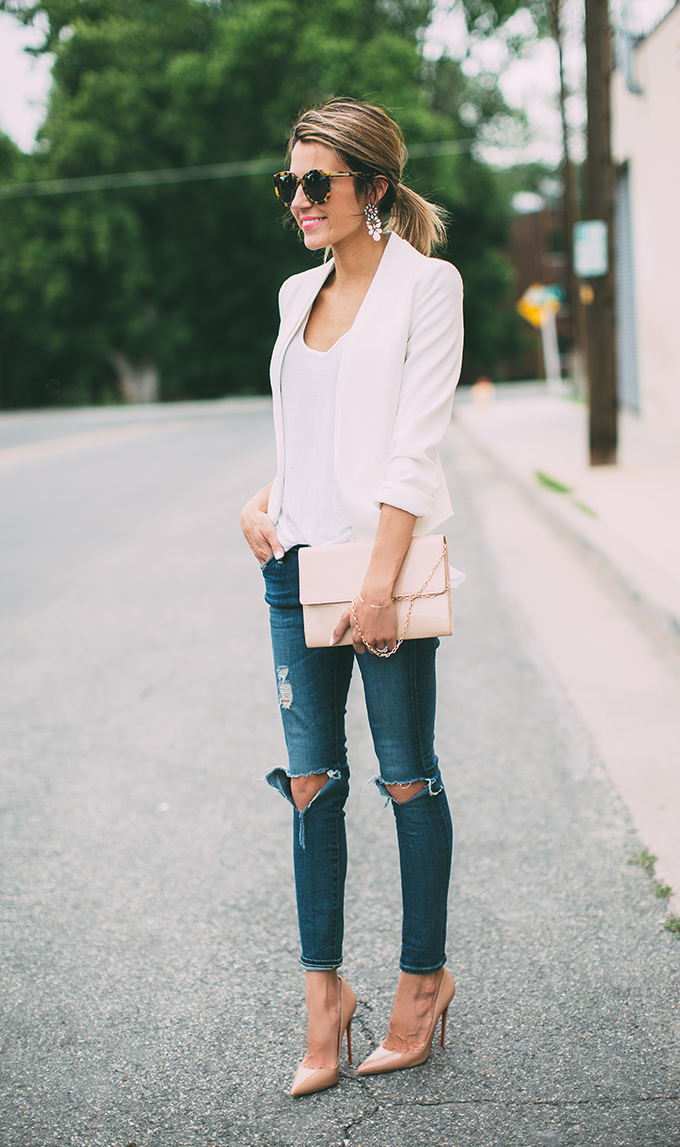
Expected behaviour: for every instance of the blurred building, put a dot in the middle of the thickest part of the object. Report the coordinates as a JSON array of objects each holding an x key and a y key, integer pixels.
[
  {"x": 646, "y": 148},
  {"x": 536, "y": 250}
]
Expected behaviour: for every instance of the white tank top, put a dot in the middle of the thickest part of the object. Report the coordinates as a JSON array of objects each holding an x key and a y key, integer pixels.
[{"x": 312, "y": 512}]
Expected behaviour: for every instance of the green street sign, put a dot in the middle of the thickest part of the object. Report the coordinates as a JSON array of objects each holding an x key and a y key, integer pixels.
[{"x": 591, "y": 254}]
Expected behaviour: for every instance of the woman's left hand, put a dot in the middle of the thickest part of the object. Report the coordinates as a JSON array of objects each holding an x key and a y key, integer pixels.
[
  {"x": 375, "y": 611},
  {"x": 378, "y": 624}
]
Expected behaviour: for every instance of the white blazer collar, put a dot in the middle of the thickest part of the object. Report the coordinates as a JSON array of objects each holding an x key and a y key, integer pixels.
[
  {"x": 311, "y": 285},
  {"x": 312, "y": 282}
]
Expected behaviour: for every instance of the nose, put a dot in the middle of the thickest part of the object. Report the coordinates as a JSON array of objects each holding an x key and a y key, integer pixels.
[{"x": 300, "y": 199}]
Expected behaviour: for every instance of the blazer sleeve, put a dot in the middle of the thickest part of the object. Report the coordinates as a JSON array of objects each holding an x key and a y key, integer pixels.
[{"x": 430, "y": 375}]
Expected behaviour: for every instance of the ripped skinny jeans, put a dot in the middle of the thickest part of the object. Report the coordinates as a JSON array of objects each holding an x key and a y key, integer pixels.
[{"x": 400, "y": 700}]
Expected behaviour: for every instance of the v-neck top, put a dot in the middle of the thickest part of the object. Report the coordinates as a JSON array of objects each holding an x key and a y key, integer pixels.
[{"x": 312, "y": 512}]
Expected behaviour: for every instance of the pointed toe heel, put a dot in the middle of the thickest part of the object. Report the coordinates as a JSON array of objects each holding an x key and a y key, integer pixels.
[
  {"x": 382, "y": 1059},
  {"x": 308, "y": 1079},
  {"x": 311, "y": 1079}
]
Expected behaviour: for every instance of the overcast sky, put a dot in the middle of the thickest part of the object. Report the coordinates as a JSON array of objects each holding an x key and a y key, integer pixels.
[{"x": 24, "y": 82}]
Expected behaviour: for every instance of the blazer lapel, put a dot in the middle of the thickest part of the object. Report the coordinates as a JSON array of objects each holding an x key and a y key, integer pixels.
[
  {"x": 301, "y": 302},
  {"x": 294, "y": 308},
  {"x": 373, "y": 358}
]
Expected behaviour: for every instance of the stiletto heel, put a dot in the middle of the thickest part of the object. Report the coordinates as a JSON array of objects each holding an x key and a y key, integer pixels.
[
  {"x": 310, "y": 1079},
  {"x": 382, "y": 1059}
]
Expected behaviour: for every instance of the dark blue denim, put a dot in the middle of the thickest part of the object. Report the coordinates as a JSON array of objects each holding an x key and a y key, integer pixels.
[{"x": 400, "y": 694}]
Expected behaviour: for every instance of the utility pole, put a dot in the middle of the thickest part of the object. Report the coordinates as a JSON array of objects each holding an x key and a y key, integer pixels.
[
  {"x": 599, "y": 193},
  {"x": 572, "y": 213}
]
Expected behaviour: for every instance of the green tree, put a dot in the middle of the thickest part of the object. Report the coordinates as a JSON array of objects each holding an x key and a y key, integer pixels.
[{"x": 184, "y": 278}]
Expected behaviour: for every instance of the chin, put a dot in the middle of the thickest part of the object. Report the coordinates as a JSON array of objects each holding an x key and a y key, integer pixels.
[
  {"x": 313, "y": 242},
  {"x": 317, "y": 237}
]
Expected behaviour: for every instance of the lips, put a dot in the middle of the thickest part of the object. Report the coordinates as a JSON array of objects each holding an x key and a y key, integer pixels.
[{"x": 310, "y": 221}]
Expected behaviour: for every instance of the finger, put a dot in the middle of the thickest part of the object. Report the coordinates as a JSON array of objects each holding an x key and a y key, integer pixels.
[
  {"x": 357, "y": 640},
  {"x": 268, "y": 531},
  {"x": 340, "y": 629},
  {"x": 383, "y": 642},
  {"x": 252, "y": 532},
  {"x": 260, "y": 548},
  {"x": 259, "y": 551}
]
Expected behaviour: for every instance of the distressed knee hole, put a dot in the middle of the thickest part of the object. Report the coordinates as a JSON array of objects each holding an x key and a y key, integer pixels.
[
  {"x": 305, "y": 789},
  {"x": 402, "y": 791},
  {"x": 405, "y": 791},
  {"x": 285, "y": 687}
]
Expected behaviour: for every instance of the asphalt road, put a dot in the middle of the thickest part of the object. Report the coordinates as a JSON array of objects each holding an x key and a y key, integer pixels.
[{"x": 149, "y": 979}]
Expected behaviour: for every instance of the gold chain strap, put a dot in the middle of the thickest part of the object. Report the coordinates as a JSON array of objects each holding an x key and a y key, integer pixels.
[{"x": 403, "y": 597}]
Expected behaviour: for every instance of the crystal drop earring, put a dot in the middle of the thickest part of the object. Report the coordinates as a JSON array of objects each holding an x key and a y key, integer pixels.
[{"x": 373, "y": 221}]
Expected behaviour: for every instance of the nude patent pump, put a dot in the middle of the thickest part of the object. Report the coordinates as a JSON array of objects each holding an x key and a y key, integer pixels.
[
  {"x": 384, "y": 1060},
  {"x": 310, "y": 1079}
]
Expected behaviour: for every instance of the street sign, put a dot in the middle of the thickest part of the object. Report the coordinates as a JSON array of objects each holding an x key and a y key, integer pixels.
[
  {"x": 539, "y": 302},
  {"x": 539, "y": 306},
  {"x": 591, "y": 255},
  {"x": 554, "y": 294}
]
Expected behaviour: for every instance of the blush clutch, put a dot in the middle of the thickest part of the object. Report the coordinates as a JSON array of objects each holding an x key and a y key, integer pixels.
[{"x": 331, "y": 576}]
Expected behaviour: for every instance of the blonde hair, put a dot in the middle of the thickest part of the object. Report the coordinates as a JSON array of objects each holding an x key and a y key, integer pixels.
[{"x": 367, "y": 140}]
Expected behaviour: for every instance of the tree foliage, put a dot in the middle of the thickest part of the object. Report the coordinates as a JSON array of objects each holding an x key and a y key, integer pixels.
[{"x": 186, "y": 276}]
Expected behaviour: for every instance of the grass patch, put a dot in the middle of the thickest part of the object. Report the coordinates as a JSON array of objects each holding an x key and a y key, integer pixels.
[
  {"x": 586, "y": 509},
  {"x": 551, "y": 483},
  {"x": 662, "y": 891},
  {"x": 559, "y": 488},
  {"x": 645, "y": 860}
]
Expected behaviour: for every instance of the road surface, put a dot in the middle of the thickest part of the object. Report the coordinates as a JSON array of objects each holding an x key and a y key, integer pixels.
[{"x": 150, "y": 985}]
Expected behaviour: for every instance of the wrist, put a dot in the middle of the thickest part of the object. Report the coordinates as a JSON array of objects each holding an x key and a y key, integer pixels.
[
  {"x": 259, "y": 503},
  {"x": 379, "y": 580},
  {"x": 377, "y": 597},
  {"x": 255, "y": 506}
]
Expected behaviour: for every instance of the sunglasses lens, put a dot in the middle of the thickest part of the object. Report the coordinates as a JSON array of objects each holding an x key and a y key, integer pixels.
[
  {"x": 286, "y": 186},
  {"x": 317, "y": 186}
]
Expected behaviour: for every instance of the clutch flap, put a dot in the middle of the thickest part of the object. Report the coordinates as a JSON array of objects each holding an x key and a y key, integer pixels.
[{"x": 336, "y": 573}]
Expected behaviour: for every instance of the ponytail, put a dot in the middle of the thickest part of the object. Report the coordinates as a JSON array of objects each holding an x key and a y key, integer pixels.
[{"x": 418, "y": 222}]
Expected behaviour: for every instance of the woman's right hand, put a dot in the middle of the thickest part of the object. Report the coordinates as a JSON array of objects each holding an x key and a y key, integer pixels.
[{"x": 258, "y": 528}]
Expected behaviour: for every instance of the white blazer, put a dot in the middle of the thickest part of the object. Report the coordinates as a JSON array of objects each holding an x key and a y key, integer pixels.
[{"x": 400, "y": 366}]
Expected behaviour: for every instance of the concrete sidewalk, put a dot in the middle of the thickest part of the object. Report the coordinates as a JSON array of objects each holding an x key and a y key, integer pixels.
[
  {"x": 592, "y": 556},
  {"x": 626, "y": 516}
]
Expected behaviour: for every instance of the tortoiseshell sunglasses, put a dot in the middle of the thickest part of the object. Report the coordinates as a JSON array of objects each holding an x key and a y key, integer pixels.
[{"x": 316, "y": 184}]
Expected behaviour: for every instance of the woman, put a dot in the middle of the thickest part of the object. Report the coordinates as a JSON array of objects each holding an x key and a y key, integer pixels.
[{"x": 363, "y": 375}]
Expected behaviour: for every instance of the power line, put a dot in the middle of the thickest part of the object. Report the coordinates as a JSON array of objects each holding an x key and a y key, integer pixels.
[
  {"x": 139, "y": 178},
  {"x": 191, "y": 174},
  {"x": 445, "y": 147}
]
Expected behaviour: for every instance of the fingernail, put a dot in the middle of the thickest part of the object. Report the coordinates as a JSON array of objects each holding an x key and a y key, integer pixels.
[
  {"x": 278, "y": 554},
  {"x": 331, "y": 642}
]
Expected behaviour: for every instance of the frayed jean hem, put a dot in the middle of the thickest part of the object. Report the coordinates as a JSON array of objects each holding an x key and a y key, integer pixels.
[{"x": 433, "y": 787}]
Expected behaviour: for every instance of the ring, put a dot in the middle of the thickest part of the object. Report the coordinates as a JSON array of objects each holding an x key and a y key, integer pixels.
[{"x": 383, "y": 650}]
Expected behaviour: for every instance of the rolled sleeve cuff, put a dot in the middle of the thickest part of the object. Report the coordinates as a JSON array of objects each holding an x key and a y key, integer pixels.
[{"x": 404, "y": 497}]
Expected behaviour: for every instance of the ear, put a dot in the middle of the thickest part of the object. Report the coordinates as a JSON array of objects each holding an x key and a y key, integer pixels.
[{"x": 377, "y": 191}]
